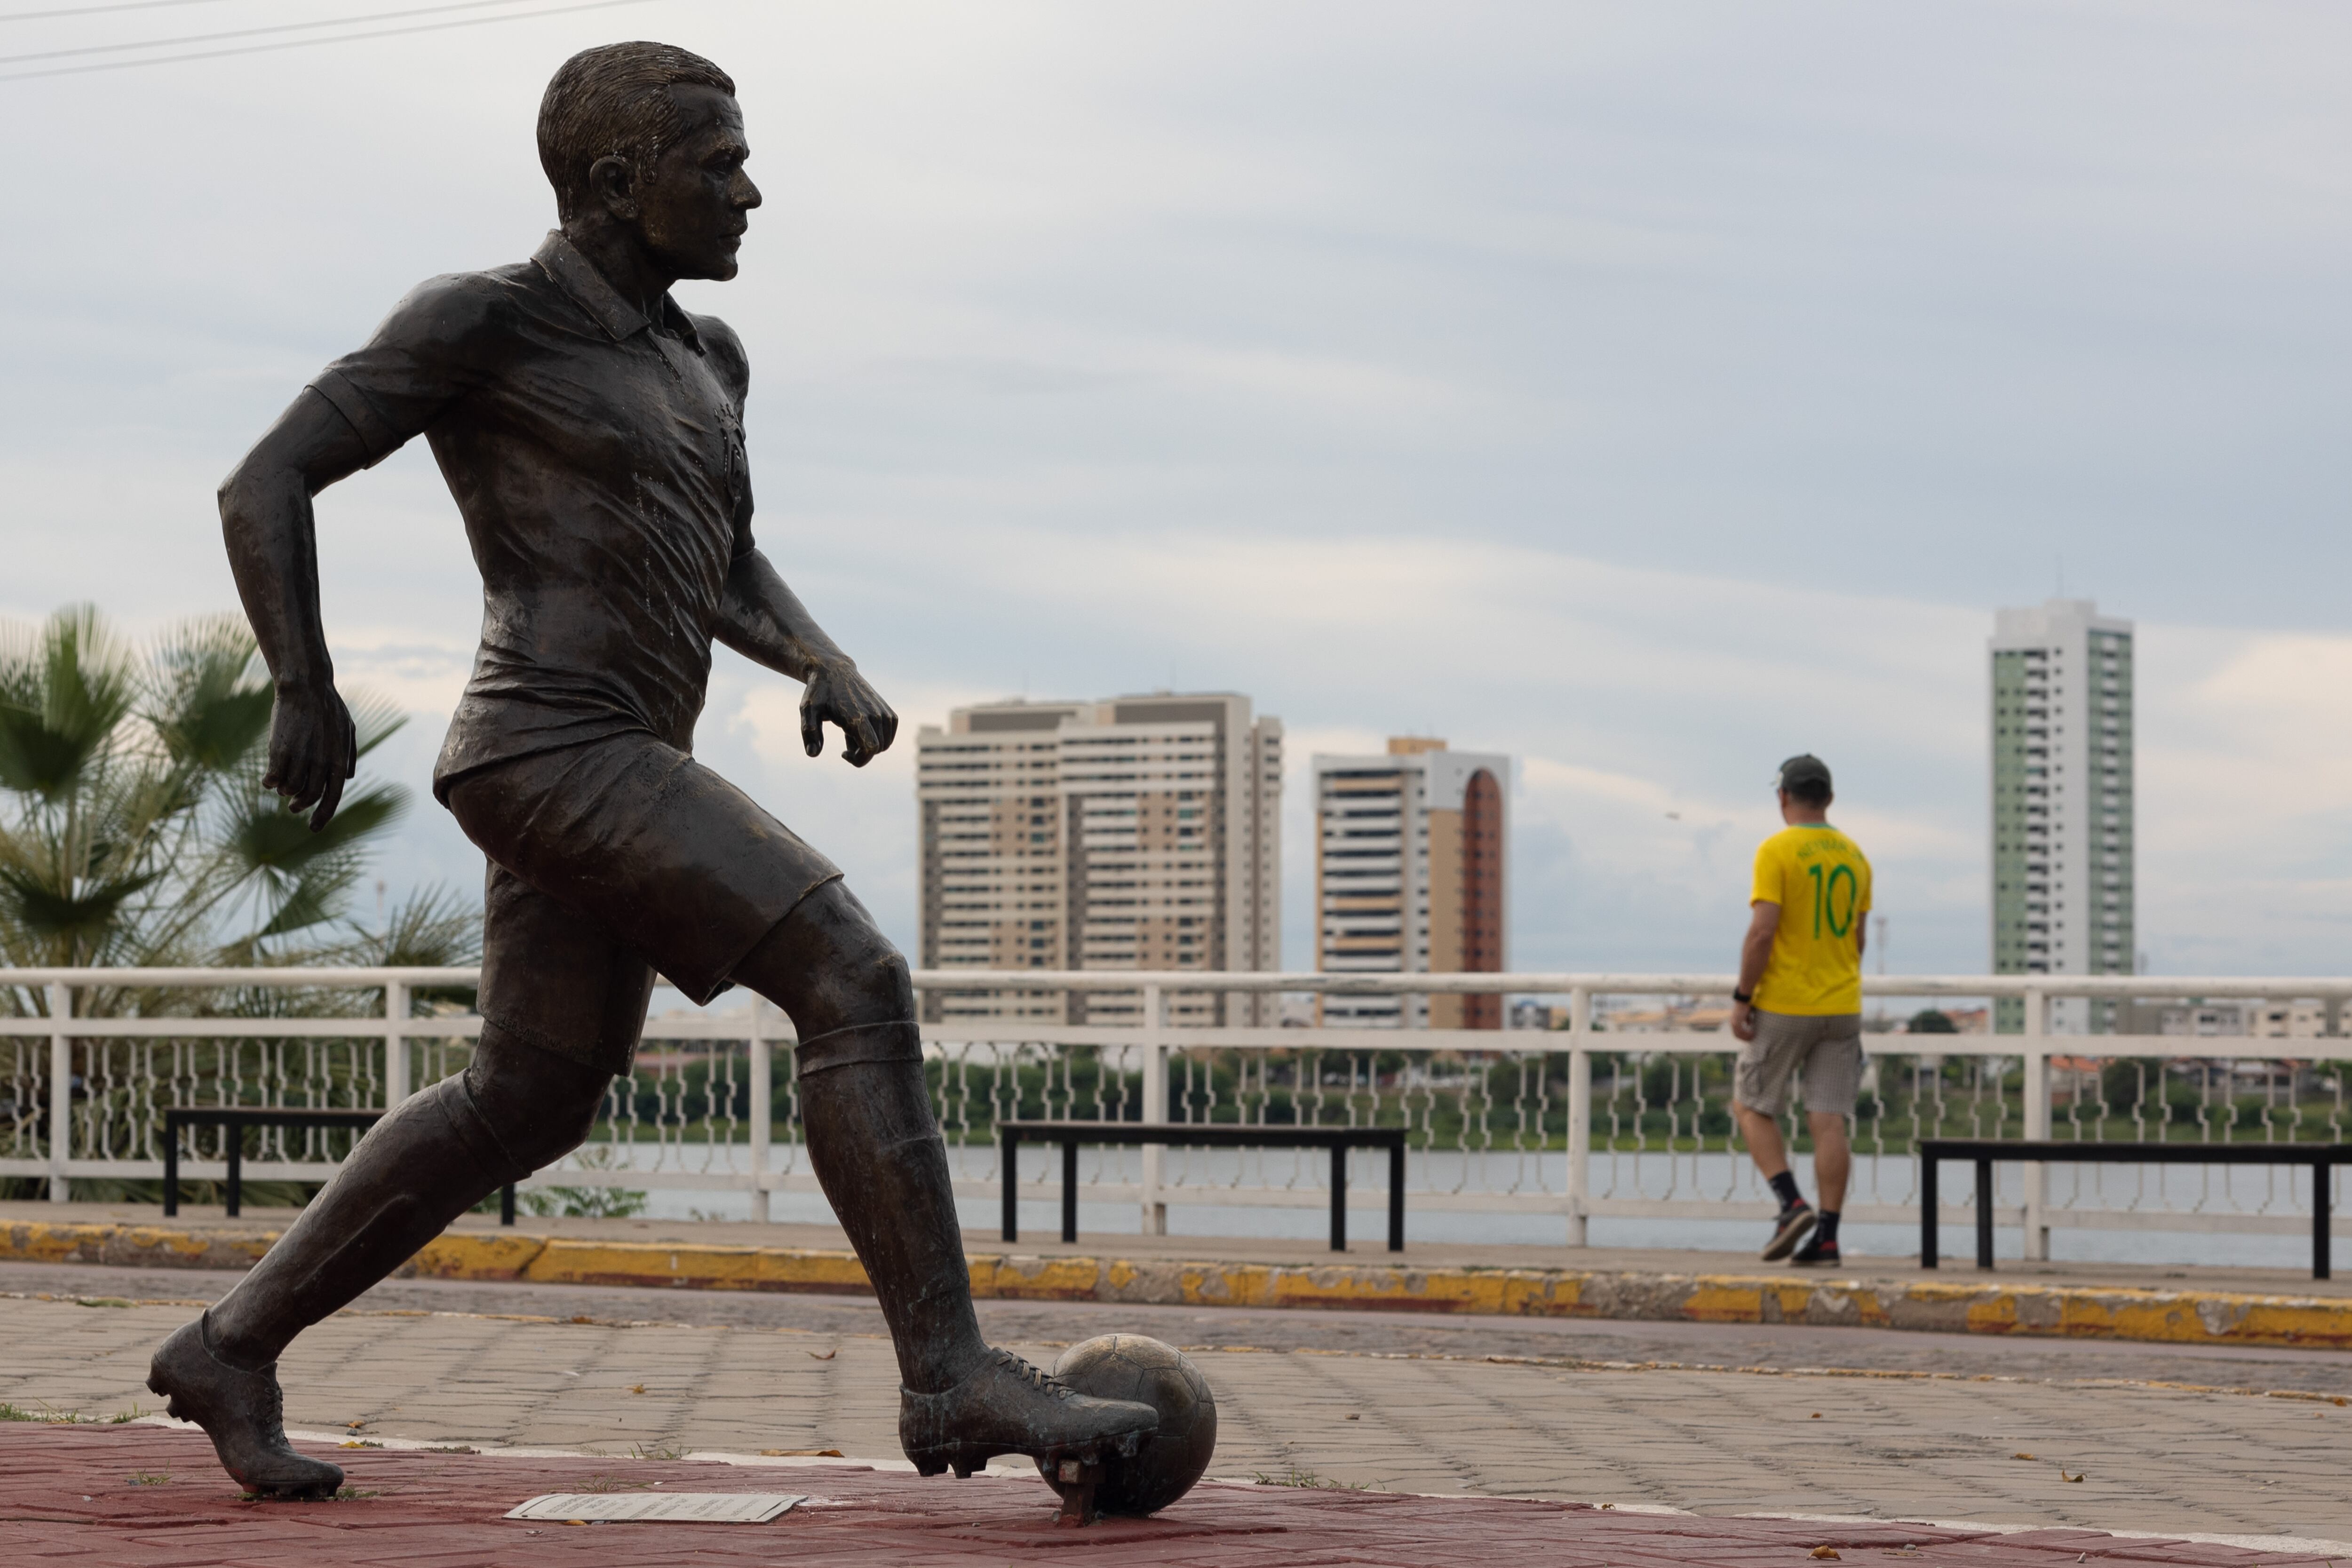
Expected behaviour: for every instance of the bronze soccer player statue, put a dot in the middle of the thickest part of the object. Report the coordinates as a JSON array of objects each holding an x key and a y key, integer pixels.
[{"x": 591, "y": 433}]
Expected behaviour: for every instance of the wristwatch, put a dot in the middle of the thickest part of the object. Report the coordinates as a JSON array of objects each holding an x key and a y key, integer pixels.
[{"x": 1745, "y": 998}]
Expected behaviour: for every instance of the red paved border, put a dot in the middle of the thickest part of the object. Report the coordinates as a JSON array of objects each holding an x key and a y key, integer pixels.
[{"x": 67, "y": 1496}]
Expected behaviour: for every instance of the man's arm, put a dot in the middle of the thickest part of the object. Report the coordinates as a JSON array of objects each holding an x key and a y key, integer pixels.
[
  {"x": 1755, "y": 953},
  {"x": 273, "y": 549},
  {"x": 762, "y": 619}
]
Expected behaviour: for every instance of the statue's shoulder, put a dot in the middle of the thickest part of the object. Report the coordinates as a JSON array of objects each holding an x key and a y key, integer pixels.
[
  {"x": 725, "y": 347},
  {"x": 460, "y": 311}
]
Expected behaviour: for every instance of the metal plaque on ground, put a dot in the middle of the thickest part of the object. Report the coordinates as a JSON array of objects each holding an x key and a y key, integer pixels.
[{"x": 699, "y": 1508}]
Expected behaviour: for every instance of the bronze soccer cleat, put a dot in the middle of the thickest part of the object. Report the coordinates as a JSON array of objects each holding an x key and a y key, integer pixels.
[
  {"x": 1009, "y": 1407},
  {"x": 243, "y": 1413}
]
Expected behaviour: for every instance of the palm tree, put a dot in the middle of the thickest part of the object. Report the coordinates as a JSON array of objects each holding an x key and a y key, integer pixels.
[
  {"x": 133, "y": 826},
  {"x": 134, "y": 829}
]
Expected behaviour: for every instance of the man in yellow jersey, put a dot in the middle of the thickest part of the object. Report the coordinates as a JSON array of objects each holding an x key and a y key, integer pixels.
[{"x": 1797, "y": 1006}]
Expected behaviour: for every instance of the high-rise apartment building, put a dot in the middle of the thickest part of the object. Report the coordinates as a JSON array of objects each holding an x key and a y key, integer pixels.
[
  {"x": 1136, "y": 833},
  {"x": 2061, "y": 801},
  {"x": 1409, "y": 851}
]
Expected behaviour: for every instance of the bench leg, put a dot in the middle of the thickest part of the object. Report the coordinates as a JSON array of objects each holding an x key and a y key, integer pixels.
[
  {"x": 1984, "y": 1214},
  {"x": 507, "y": 1205},
  {"x": 1339, "y": 1197},
  {"x": 1929, "y": 1204},
  {"x": 235, "y": 1169},
  {"x": 1008, "y": 1164},
  {"x": 171, "y": 1170},
  {"x": 1070, "y": 1191},
  {"x": 2322, "y": 1221},
  {"x": 1396, "y": 1197}
]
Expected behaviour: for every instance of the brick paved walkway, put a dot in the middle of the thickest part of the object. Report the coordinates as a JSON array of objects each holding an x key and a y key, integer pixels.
[
  {"x": 138, "y": 1496},
  {"x": 1714, "y": 1443}
]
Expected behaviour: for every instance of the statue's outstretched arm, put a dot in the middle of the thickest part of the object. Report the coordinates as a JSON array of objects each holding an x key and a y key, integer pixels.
[
  {"x": 273, "y": 549},
  {"x": 764, "y": 620}
]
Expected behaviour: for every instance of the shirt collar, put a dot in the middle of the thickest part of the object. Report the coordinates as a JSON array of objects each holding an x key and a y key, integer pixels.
[{"x": 577, "y": 276}]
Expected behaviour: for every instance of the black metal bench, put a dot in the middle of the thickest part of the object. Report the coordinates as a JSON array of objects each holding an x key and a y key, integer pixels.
[
  {"x": 2320, "y": 1157},
  {"x": 236, "y": 1119},
  {"x": 1205, "y": 1135}
]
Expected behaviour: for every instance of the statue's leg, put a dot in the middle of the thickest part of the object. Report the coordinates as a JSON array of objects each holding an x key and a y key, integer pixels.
[
  {"x": 515, "y": 1108},
  {"x": 878, "y": 1153}
]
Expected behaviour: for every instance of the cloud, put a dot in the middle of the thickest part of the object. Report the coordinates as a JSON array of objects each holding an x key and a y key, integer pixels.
[{"x": 1649, "y": 392}]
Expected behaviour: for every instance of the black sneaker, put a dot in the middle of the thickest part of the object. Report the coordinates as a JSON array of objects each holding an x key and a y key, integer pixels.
[
  {"x": 1789, "y": 1229},
  {"x": 1816, "y": 1254}
]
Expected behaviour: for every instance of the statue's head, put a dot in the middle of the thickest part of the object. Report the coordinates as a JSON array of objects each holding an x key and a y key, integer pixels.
[{"x": 649, "y": 137}]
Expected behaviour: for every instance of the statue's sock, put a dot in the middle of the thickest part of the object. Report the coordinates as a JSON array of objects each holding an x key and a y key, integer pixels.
[{"x": 878, "y": 1152}]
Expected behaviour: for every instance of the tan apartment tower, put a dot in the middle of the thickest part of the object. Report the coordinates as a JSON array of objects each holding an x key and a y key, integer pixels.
[
  {"x": 1409, "y": 851},
  {"x": 1135, "y": 833}
]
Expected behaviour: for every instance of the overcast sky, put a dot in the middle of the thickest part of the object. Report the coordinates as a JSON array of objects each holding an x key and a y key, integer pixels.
[{"x": 1645, "y": 390}]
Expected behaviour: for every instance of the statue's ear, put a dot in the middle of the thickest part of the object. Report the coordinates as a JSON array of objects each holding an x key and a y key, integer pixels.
[{"x": 614, "y": 183}]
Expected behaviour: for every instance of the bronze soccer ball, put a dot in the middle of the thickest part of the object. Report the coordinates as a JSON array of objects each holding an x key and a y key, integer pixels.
[{"x": 1129, "y": 1366}]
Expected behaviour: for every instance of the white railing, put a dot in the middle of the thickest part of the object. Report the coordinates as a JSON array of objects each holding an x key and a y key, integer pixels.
[{"x": 1580, "y": 1123}]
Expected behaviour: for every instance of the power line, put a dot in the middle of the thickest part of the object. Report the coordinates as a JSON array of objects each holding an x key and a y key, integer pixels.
[
  {"x": 255, "y": 32},
  {"x": 309, "y": 43},
  {"x": 94, "y": 10}
]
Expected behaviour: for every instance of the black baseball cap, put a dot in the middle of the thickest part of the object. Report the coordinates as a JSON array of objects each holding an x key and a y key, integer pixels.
[{"x": 1804, "y": 769}]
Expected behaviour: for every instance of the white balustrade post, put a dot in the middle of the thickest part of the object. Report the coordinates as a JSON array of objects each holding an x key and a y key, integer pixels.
[
  {"x": 1580, "y": 1114},
  {"x": 2037, "y": 1123},
  {"x": 1155, "y": 1108},
  {"x": 763, "y": 1114},
  {"x": 60, "y": 1092},
  {"x": 395, "y": 1044}
]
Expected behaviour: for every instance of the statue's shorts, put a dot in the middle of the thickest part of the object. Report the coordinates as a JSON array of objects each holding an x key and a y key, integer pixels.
[{"x": 610, "y": 862}]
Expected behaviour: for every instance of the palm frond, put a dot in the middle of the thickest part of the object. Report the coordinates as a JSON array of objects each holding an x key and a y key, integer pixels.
[
  {"x": 267, "y": 838},
  {"x": 206, "y": 694},
  {"x": 79, "y": 915},
  {"x": 312, "y": 898},
  {"x": 376, "y": 719},
  {"x": 64, "y": 691}
]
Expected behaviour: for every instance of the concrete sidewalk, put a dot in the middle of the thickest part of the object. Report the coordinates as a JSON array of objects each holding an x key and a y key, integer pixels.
[
  {"x": 2169, "y": 1305},
  {"x": 2100, "y": 1455}
]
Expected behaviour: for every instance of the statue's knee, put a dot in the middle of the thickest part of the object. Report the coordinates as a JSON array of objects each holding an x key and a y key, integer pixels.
[
  {"x": 829, "y": 966},
  {"x": 870, "y": 975},
  {"x": 539, "y": 1106},
  {"x": 890, "y": 984}
]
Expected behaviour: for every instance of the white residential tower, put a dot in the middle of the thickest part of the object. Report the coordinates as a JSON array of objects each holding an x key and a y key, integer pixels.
[{"x": 2061, "y": 801}]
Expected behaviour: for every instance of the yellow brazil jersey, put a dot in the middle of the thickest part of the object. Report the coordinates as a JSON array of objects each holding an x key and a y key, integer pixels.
[{"x": 1823, "y": 885}]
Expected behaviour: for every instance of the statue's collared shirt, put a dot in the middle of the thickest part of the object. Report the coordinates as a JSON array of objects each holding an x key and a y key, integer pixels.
[{"x": 597, "y": 458}]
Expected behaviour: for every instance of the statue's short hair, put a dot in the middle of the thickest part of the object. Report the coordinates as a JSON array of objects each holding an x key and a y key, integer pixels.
[{"x": 615, "y": 99}]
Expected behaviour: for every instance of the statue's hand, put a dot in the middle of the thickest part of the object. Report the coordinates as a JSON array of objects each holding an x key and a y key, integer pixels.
[
  {"x": 838, "y": 693},
  {"x": 313, "y": 749}
]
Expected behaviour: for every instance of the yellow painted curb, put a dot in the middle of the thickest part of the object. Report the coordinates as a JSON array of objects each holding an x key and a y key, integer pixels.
[{"x": 1958, "y": 1306}]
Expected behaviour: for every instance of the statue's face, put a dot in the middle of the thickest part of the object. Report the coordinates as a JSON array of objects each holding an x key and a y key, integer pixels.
[{"x": 692, "y": 206}]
